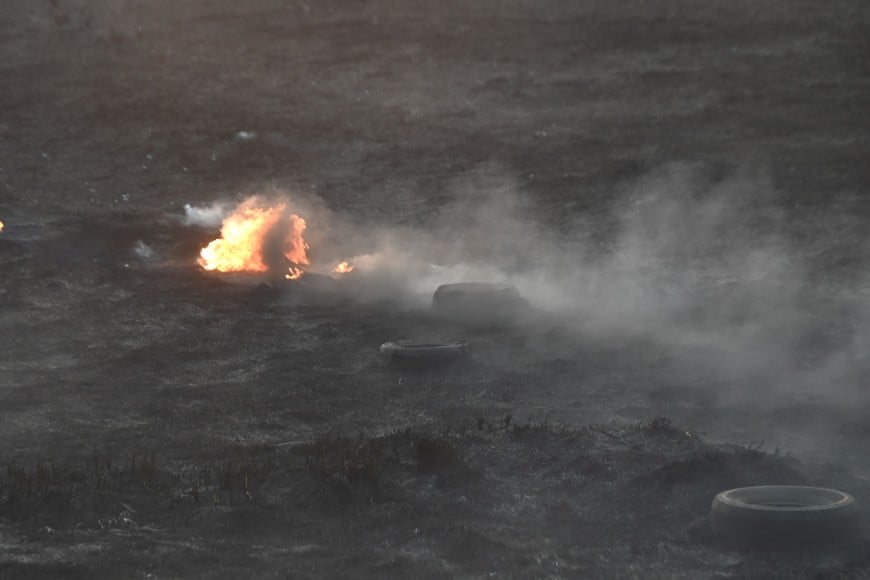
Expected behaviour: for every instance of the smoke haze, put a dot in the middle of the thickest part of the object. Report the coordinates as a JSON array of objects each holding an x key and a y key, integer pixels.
[
  {"x": 209, "y": 216},
  {"x": 704, "y": 267}
]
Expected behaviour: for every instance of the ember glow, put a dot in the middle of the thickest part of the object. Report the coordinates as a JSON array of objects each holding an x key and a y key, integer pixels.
[
  {"x": 343, "y": 268},
  {"x": 247, "y": 234}
]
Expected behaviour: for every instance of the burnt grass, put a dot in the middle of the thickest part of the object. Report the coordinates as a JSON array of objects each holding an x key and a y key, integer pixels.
[
  {"x": 157, "y": 421},
  {"x": 527, "y": 499}
]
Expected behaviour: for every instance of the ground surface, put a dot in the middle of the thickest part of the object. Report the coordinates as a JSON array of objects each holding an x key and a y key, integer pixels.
[{"x": 159, "y": 422}]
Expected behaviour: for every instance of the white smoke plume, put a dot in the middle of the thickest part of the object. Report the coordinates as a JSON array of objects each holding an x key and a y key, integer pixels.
[
  {"x": 208, "y": 216},
  {"x": 704, "y": 267}
]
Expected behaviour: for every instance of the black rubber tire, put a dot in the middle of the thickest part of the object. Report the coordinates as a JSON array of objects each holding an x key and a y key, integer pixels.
[
  {"x": 479, "y": 302},
  {"x": 421, "y": 354},
  {"x": 784, "y": 517}
]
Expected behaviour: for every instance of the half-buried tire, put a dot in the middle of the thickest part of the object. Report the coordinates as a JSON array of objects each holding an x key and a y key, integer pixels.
[
  {"x": 784, "y": 517},
  {"x": 421, "y": 354}
]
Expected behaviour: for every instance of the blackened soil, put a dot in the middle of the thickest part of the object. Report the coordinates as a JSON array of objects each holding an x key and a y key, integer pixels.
[{"x": 158, "y": 421}]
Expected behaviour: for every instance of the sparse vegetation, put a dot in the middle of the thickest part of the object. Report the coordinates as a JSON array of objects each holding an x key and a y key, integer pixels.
[
  {"x": 632, "y": 482},
  {"x": 664, "y": 427},
  {"x": 158, "y": 421}
]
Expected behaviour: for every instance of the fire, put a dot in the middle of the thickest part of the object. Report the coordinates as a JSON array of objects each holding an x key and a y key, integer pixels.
[
  {"x": 246, "y": 233},
  {"x": 294, "y": 273},
  {"x": 343, "y": 268},
  {"x": 2, "y": 226}
]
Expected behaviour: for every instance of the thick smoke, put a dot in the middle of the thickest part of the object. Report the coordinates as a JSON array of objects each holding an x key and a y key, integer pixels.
[
  {"x": 208, "y": 216},
  {"x": 703, "y": 266}
]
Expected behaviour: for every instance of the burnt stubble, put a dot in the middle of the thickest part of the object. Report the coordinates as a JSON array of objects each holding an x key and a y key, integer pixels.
[{"x": 678, "y": 188}]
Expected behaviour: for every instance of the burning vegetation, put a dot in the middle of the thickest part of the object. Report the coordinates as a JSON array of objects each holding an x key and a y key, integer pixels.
[{"x": 260, "y": 237}]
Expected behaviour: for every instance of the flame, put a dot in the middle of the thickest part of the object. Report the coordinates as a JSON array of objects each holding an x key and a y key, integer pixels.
[
  {"x": 244, "y": 235},
  {"x": 294, "y": 273},
  {"x": 343, "y": 268},
  {"x": 2, "y": 226}
]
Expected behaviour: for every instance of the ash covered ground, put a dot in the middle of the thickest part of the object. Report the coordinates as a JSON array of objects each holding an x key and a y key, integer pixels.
[{"x": 678, "y": 188}]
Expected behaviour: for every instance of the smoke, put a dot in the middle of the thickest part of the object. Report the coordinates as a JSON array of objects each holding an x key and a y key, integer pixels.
[
  {"x": 704, "y": 266},
  {"x": 143, "y": 251},
  {"x": 208, "y": 216}
]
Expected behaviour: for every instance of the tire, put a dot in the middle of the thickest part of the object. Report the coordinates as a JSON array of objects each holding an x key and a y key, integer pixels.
[
  {"x": 783, "y": 516},
  {"x": 421, "y": 354},
  {"x": 479, "y": 302}
]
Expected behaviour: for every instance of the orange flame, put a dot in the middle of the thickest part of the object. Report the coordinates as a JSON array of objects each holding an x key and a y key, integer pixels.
[
  {"x": 294, "y": 273},
  {"x": 343, "y": 268},
  {"x": 243, "y": 238},
  {"x": 2, "y": 226}
]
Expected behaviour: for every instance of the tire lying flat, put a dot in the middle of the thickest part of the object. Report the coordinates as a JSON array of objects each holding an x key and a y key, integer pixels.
[
  {"x": 421, "y": 354},
  {"x": 784, "y": 517}
]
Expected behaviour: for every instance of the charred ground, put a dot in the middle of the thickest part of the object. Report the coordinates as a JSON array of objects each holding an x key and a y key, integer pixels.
[{"x": 158, "y": 420}]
